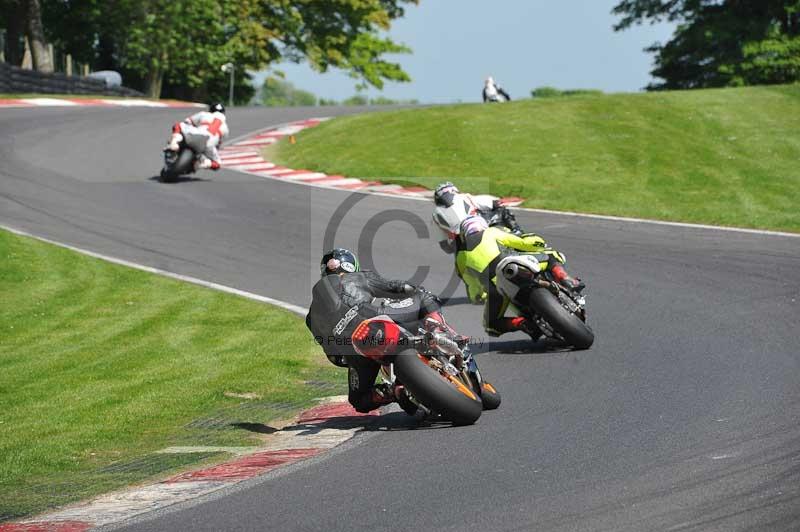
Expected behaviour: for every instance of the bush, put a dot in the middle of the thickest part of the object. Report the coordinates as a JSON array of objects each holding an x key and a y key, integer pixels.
[
  {"x": 357, "y": 99},
  {"x": 545, "y": 92},
  {"x": 552, "y": 92}
]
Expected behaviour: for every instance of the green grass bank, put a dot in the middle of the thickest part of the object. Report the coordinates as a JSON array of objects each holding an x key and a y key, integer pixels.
[
  {"x": 101, "y": 366},
  {"x": 725, "y": 156}
]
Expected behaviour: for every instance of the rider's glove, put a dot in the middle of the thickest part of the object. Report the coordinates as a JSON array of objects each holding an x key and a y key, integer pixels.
[
  {"x": 214, "y": 165},
  {"x": 427, "y": 293}
]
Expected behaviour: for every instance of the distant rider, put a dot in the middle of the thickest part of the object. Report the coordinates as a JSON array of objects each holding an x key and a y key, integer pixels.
[
  {"x": 481, "y": 248},
  {"x": 453, "y": 207},
  {"x": 343, "y": 298},
  {"x": 203, "y": 133},
  {"x": 492, "y": 92}
]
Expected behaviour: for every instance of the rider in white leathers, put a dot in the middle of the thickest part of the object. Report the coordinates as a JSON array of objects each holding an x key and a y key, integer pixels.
[
  {"x": 203, "y": 133},
  {"x": 492, "y": 92},
  {"x": 452, "y": 207}
]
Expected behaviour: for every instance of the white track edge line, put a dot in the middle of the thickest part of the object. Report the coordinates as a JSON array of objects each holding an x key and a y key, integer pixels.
[
  {"x": 763, "y": 232},
  {"x": 661, "y": 222},
  {"x": 180, "y": 277}
]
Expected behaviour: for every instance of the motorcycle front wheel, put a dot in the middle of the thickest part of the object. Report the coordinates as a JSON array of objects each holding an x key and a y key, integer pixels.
[{"x": 444, "y": 394}]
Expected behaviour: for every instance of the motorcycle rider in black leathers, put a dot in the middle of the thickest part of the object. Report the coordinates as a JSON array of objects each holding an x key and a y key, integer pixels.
[{"x": 343, "y": 298}]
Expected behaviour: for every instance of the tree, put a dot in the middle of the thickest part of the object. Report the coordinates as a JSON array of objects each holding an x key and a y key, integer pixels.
[
  {"x": 12, "y": 18},
  {"x": 720, "y": 42},
  {"x": 182, "y": 43},
  {"x": 181, "y": 40},
  {"x": 35, "y": 33},
  {"x": 23, "y": 18}
]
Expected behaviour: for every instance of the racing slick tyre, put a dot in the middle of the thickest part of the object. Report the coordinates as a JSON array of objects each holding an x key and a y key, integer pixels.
[
  {"x": 569, "y": 326},
  {"x": 167, "y": 176},
  {"x": 443, "y": 394},
  {"x": 490, "y": 397},
  {"x": 184, "y": 164}
]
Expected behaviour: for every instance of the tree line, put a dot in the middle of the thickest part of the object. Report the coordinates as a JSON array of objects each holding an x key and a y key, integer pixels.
[
  {"x": 275, "y": 92},
  {"x": 175, "y": 48},
  {"x": 719, "y": 43}
]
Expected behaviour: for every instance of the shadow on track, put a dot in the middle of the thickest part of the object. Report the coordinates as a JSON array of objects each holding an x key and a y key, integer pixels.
[
  {"x": 181, "y": 179},
  {"x": 400, "y": 421},
  {"x": 457, "y": 300},
  {"x": 521, "y": 347}
]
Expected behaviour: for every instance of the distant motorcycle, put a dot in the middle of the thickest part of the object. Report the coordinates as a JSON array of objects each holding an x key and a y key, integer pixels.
[
  {"x": 178, "y": 163},
  {"x": 493, "y": 93},
  {"x": 557, "y": 311},
  {"x": 500, "y": 97},
  {"x": 437, "y": 372}
]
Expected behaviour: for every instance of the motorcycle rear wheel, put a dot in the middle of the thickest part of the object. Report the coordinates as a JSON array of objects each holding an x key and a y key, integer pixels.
[
  {"x": 184, "y": 164},
  {"x": 445, "y": 395},
  {"x": 573, "y": 329}
]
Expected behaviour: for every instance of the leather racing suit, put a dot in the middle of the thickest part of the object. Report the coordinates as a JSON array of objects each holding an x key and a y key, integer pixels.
[
  {"x": 340, "y": 302},
  {"x": 203, "y": 132}
]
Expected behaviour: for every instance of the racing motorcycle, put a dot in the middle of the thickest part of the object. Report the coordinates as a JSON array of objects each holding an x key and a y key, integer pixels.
[
  {"x": 436, "y": 370},
  {"x": 558, "y": 312},
  {"x": 178, "y": 163}
]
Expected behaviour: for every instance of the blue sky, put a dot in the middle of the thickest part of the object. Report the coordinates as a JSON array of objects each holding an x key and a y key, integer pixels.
[{"x": 521, "y": 43}]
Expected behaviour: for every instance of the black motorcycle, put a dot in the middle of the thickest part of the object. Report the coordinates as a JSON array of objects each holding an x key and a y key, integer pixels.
[
  {"x": 558, "y": 312},
  {"x": 178, "y": 163},
  {"x": 436, "y": 370}
]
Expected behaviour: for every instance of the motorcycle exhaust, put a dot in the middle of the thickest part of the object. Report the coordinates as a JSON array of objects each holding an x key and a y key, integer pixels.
[{"x": 510, "y": 271}]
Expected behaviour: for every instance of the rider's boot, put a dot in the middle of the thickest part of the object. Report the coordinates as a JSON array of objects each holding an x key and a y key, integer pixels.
[
  {"x": 525, "y": 325},
  {"x": 528, "y": 326},
  {"x": 411, "y": 408},
  {"x": 531, "y": 329},
  {"x": 564, "y": 279},
  {"x": 383, "y": 394},
  {"x": 437, "y": 316}
]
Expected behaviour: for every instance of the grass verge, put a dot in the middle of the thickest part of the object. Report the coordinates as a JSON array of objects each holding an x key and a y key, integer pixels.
[
  {"x": 102, "y": 365},
  {"x": 724, "y": 156}
]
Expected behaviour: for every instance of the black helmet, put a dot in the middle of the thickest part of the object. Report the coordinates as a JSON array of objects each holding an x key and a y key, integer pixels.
[
  {"x": 443, "y": 195},
  {"x": 338, "y": 261},
  {"x": 216, "y": 108}
]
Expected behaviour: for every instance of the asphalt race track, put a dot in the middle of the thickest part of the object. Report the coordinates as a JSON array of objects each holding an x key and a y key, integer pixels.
[{"x": 685, "y": 415}]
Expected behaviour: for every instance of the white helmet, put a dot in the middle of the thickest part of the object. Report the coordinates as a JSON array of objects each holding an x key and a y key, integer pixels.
[{"x": 447, "y": 216}]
